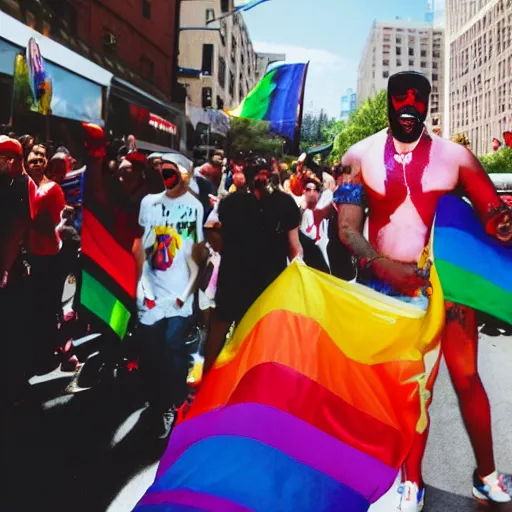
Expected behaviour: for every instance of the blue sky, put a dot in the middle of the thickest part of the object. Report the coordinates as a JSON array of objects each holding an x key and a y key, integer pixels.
[{"x": 330, "y": 34}]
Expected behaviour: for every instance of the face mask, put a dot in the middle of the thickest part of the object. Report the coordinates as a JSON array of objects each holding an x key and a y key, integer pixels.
[
  {"x": 171, "y": 177},
  {"x": 408, "y": 97}
]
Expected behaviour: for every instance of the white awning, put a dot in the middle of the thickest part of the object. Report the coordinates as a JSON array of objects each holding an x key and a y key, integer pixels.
[{"x": 19, "y": 34}]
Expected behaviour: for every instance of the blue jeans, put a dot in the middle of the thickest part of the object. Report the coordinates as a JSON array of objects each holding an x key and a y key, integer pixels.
[{"x": 164, "y": 361}]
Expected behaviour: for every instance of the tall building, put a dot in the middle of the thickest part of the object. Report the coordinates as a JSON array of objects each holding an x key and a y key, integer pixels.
[
  {"x": 135, "y": 40},
  {"x": 480, "y": 94},
  {"x": 265, "y": 59},
  {"x": 401, "y": 45},
  {"x": 348, "y": 104},
  {"x": 217, "y": 62}
]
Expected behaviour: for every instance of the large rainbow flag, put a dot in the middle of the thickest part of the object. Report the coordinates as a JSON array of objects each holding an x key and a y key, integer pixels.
[
  {"x": 474, "y": 268},
  {"x": 276, "y": 98},
  {"x": 312, "y": 405}
]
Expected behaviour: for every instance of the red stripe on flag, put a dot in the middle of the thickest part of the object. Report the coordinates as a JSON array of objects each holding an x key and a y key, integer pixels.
[{"x": 99, "y": 245}]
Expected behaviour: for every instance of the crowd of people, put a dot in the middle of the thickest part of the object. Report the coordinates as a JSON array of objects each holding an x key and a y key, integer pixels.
[{"x": 226, "y": 229}]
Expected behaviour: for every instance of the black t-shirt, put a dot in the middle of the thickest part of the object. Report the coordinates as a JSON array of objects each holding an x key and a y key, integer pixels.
[
  {"x": 14, "y": 206},
  {"x": 254, "y": 241}
]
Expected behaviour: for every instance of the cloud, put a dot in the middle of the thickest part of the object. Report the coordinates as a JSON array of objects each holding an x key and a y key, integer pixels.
[{"x": 329, "y": 74}]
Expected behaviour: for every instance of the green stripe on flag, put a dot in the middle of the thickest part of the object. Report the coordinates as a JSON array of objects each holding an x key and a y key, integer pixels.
[
  {"x": 256, "y": 104},
  {"x": 472, "y": 290},
  {"x": 97, "y": 299}
]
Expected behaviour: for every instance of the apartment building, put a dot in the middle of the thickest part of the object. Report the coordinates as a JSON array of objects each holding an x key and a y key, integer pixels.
[
  {"x": 265, "y": 59},
  {"x": 402, "y": 45},
  {"x": 479, "y": 34},
  {"x": 217, "y": 62}
]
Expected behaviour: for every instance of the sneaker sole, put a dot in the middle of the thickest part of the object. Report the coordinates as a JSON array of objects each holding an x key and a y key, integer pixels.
[{"x": 480, "y": 498}]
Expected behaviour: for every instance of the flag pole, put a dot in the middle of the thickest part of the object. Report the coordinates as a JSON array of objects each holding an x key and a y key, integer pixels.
[{"x": 298, "y": 128}]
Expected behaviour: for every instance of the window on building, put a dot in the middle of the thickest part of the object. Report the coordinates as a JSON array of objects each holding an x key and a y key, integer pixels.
[
  {"x": 385, "y": 74},
  {"x": 65, "y": 13},
  {"x": 222, "y": 72},
  {"x": 207, "y": 66},
  {"x": 436, "y": 54},
  {"x": 234, "y": 47},
  {"x": 398, "y": 50},
  {"x": 423, "y": 64},
  {"x": 398, "y": 63},
  {"x": 231, "y": 84},
  {"x": 435, "y": 77},
  {"x": 411, "y": 52},
  {"x": 398, "y": 40},
  {"x": 435, "y": 65},
  {"x": 207, "y": 97},
  {"x": 385, "y": 62},
  {"x": 147, "y": 68},
  {"x": 224, "y": 5},
  {"x": 210, "y": 15},
  {"x": 411, "y": 62},
  {"x": 423, "y": 53},
  {"x": 110, "y": 42},
  {"x": 146, "y": 9},
  {"x": 220, "y": 103}
]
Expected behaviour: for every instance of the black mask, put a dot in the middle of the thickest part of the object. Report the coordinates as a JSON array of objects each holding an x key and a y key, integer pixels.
[{"x": 408, "y": 97}]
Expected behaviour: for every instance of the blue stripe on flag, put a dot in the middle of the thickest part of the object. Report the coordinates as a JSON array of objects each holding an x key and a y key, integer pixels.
[{"x": 258, "y": 477}]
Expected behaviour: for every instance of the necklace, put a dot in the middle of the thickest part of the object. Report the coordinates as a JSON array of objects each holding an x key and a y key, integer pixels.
[{"x": 405, "y": 159}]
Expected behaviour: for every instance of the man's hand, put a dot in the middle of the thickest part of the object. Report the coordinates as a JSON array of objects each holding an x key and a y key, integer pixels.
[
  {"x": 504, "y": 229},
  {"x": 404, "y": 277}
]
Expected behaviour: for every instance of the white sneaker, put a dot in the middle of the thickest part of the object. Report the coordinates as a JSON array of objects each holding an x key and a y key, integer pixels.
[
  {"x": 412, "y": 499},
  {"x": 495, "y": 488}
]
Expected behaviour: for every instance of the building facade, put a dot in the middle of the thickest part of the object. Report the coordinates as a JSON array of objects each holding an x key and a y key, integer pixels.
[
  {"x": 217, "y": 61},
  {"x": 348, "y": 104},
  {"x": 401, "y": 45},
  {"x": 265, "y": 59},
  {"x": 134, "y": 39},
  {"x": 479, "y": 35}
]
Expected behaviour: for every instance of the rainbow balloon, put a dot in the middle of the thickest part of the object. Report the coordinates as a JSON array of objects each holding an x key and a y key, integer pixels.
[{"x": 312, "y": 405}]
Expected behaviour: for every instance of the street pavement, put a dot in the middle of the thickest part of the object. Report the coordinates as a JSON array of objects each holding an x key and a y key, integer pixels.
[{"x": 89, "y": 451}]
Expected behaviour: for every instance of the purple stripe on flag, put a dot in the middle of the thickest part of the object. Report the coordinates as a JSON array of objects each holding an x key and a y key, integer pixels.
[
  {"x": 291, "y": 436},
  {"x": 191, "y": 498}
]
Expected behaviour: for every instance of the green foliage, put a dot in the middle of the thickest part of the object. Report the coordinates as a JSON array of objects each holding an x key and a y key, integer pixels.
[
  {"x": 249, "y": 135},
  {"x": 369, "y": 118},
  {"x": 499, "y": 161},
  {"x": 317, "y": 130}
]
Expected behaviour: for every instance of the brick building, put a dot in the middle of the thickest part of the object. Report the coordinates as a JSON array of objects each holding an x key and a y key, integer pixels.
[
  {"x": 479, "y": 36},
  {"x": 134, "y": 39}
]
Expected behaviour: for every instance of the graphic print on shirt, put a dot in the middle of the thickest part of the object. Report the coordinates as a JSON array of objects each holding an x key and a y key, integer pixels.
[{"x": 167, "y": 243}]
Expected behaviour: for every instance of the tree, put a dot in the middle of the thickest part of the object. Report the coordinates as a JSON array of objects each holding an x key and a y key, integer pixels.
[
  {"x": 249, "y": 135},
  {"x": 462, "y": 139},
  {"x": 317, "y": 130},
  {"x": 498, "y": 162},
  {"x": 369, "y": 118}
]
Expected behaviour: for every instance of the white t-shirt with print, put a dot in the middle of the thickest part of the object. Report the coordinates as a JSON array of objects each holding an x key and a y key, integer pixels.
[{"x": 171, "y": 228}]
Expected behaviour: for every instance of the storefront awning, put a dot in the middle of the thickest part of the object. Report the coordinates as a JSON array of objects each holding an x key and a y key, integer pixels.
[{"x": 19, "y": 34}]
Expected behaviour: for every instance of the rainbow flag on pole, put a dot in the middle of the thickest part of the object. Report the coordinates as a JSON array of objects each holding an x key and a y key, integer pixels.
[
  {"x": 474, "y": 268},
  {"x": 277, "y": 98},
  {"x": 311, "y": 406}
]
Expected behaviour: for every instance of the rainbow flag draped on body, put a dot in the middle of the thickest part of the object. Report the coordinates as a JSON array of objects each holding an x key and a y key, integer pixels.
[
  {"x": 474, "y": 268},
  {"x": 276, "y": 98},
  {"x": 312, "y": 405}
]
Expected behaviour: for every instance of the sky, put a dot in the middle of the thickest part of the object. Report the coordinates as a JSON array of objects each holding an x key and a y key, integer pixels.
[{"x": 331, "y": 34}]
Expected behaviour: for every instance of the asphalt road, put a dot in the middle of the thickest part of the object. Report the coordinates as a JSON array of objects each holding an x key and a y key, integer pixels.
[{"x": 88, "y": 452}]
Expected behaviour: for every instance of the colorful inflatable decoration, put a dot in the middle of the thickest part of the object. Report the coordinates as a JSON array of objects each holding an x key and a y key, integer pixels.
[{"x": 312, "y": 404}]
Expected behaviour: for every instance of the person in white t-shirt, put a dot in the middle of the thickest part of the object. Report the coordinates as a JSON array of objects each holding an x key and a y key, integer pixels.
[{"x": 173, "y": 224}]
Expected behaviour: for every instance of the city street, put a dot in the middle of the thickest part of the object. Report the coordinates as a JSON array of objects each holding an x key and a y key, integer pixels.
[{"x": 86, "y": 452}]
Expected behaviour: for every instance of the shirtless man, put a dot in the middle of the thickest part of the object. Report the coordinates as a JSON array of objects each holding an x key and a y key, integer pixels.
[{"x": 401, "y": 173}]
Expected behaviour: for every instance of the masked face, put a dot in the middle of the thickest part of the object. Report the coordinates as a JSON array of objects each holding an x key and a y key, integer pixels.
[
  {"x": 408, "y": 97},
  {"x": 171, "y": 176}
]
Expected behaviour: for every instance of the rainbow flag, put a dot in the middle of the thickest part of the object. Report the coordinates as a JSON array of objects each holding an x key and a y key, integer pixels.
[
  {"x": 312, "y": 405},
  {"x": 474, "y": 268},
  {"x": 276, "y": 98}
]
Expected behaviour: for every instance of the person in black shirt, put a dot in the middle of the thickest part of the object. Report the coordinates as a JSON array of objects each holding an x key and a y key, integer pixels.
[
  {"x": 16, "y": 189},
  {"x": 260, "y": 233}
]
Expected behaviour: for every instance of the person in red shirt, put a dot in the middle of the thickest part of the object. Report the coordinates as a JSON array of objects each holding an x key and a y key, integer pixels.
[
  {"x": 43, "y": 247},
  {"x": 212, "y": 170}
]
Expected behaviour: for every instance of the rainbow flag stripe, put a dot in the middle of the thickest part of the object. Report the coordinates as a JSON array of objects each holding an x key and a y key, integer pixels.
[
  {"x": 312, "y": 405},
  {"x": 276, "y": 98},
  {"x": 474, "y": 268}
]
